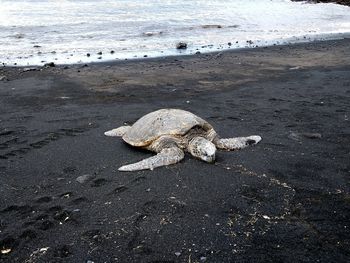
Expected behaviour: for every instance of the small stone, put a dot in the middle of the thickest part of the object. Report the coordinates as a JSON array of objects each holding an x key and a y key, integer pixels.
[
  {"x": 198, "y": 52},
  {"x": 90, "y": 261},
  {"x": 88, "y": 55},
  {"x": 145, "y": 56},
  {"x": 177, "y": 254},
  {"x": 112, "y": 51},
  {"x": 203, "y": 259},
  {"x": 229, "y": 43},
  {"x": 84, "y": 178},
  {"x": 99, "y": 53},
  {"x": 99, "y": 58},
  {"x": 181, "y": 45},
  {"x": 36, "y": 46},
  {"x": 49, "y": 65}
]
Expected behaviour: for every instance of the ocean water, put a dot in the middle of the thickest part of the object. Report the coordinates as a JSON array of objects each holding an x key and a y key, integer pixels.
[{"x": 33, "y": 32}]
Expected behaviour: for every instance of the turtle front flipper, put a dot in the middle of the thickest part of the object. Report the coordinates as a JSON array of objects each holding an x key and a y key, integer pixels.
[
  {"x": 165, "y": 157},
  {"x": 236, "y": 143},
  {"x": 118, "y": 131}
]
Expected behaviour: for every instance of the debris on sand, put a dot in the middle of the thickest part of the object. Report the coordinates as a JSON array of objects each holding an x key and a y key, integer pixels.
[{"x": 6, "y": 251}]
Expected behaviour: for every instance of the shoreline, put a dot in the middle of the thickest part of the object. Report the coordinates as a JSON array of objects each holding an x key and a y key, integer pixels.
[
  {"x": 113, "y": 62},
  {"x": 192, "y": 51},
  {"x": 286, "y": 199}
]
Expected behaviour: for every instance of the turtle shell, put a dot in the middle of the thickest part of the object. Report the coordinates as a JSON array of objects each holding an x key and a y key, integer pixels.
[{"x": 162, "y": 122}]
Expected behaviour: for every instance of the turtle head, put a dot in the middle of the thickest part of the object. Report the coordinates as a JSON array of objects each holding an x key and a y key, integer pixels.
[{"x": 203, "y": 149}]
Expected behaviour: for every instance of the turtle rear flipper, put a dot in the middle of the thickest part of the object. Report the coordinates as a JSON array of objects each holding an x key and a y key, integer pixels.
[
  {"x": 165, "y": 157},
  {"x": 118, "y": 131},
  {"x": 237, "y": 143}
]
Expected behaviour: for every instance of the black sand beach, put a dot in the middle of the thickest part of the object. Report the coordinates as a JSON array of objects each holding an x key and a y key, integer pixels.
[{"x": 286, "y": 199}]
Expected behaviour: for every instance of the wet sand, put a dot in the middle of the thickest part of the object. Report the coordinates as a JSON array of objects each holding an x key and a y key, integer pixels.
[{"x": 286, "y": 199}]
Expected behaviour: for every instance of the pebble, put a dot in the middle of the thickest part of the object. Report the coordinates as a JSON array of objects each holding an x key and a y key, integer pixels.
[
  {"x": 99, "y": 53},
  {"x": 49, "y": 65},
  {"x": 177, "y": 254},
  {"x": 181, "y": 45},
  {"x": 84, "y": 178}
]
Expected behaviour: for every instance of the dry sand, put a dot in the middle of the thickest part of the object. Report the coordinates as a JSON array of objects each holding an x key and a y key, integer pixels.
[{"x": 285, "y": 200}]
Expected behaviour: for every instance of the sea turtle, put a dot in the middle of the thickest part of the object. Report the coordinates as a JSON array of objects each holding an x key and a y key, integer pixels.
[{"x": 170, "y": 132}]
